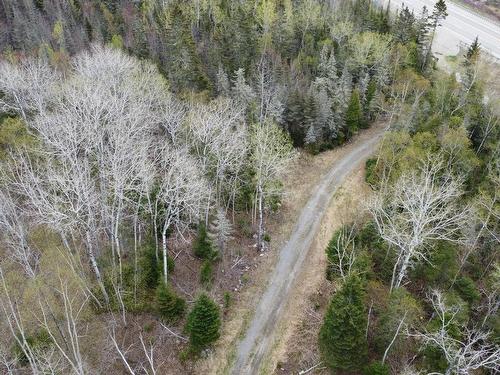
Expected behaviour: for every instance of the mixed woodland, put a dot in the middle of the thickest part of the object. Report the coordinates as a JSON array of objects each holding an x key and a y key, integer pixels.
[{"x": 134, "y": 131}]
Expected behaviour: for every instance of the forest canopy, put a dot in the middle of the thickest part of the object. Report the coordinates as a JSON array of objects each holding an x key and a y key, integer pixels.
[{"x": 129, "y": 129}]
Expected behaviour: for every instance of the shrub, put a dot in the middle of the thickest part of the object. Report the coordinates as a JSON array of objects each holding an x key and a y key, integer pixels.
[
  {"x": 203, "y": 324},
  {"x": 202, "y": 246},
  {"x": 339, "y": 241},
  {"x": 400, "y": 302},
  {"x": 151, "y": 267},
  {"x": 441, "y": 268},
  {"x": 170, "y": 307},
  {"x": 342, "y": 339},
  {"x": 431, "y": 124},
  {"x": 369, "y": 238},
  {"x": 434, "y": 359},
  {"x": 206, "y": 273},
  {"x": 148, "y": 327},
  {"x": 371, "y": 177},
  {"x": 382, "y": 257},
  {"x": 245, "y": 227},
  {"x": 376, "y": 368},
  {"x": 467, "y": 290},
  {"x": 460, "y": 319},
  {"x": 40, "y": 341},
  {"x": 227, "y": 300}
]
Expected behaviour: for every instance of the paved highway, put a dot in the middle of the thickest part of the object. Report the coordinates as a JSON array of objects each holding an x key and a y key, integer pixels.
[{"x": 461, "y": 26}]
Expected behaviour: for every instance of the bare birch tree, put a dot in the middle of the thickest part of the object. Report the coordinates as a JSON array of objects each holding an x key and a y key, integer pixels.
[
  {"x": 470, "y": 352},
  {"x": 181, "y": 195},
  {"x": 271, "y": 152},
  {"x": 62, "y": 197},
  {"x": 26, "y": 86},
  {"x": 66, "y": 335},
  {"x": 218, "y": 137},
  {"x": 96, "y": 145},
  {"x": 342, "y": 252},
  {"x": 15, "y": 226},
  {"x": 422, "y": 206},
  {"x": 148, "y": 366}
]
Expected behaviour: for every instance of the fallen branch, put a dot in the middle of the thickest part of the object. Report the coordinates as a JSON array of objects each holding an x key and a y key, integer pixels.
[
  {"x": 238, "y": 260},
  {"x": 182, "y": 290},
  {"x": 313, "y": 314},
  {"x": 173, "y": 333},
  {"x": 309, "y": 369},
  {"x": 112, "y": 336},
  {"x": 176, "y": 255}
]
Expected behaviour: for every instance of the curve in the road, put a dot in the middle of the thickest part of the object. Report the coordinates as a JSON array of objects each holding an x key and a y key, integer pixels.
[{"x": 258, "y": 338}]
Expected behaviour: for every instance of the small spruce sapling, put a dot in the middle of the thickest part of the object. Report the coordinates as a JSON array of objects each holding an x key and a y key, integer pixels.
[
  {"x": 170, "y": 307},
  {"x": 206, "y": 273},
  {"x": 354, "y": 115},
  {"x": 220, "y": 230},
  {"x": 203, "y": 324},
  {"x": 202, "y": 246}
]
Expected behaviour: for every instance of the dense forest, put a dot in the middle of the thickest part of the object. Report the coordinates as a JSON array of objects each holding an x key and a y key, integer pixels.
[{"x": 135, "y": 134}]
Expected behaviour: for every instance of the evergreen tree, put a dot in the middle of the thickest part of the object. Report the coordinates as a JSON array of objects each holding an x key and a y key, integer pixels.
[
  {"x": 170, "y": 307},
  {"x": 438, "y": 14},
  {"x": 202, "y": 246},
  {"x": 311, "y": 136},
  {"x": 150, "y": 269},
  {"x": 310, "y": 114},
  {"x": 354, "y": 115},
  {"x": 206, "y": 273},
  {"x": 327, "y": 67},
  {"x": 222, "y": 82},
  {"x": 241, "y": 91},
  {"x": 40, "y": 5},
  {"x": 379, "y": 19},
  {"x": 323, "y": 61},
  {"x": 342, "y": 339},
  {"x": 404, "y": 26},
  {"x": 370, "y": 95},
  {"x": 422, "y": 37},
  {"x": 363, "y": 83},
  {"x": 185, "y": 69},
  {"x": 203, "y": 323},
  {"x": 295, "y": 118},
  {"x": 151, "y": 266},
  {"x": 472, "y": 53},
  {"x": 220, "y": 229},
  {"x": 345, "y": 87},
  {"x": 376, "y": 368},
  {"x": 89, "y": 30}
]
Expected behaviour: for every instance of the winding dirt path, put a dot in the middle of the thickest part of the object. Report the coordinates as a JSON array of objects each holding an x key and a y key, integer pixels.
[{"x": 258, "y": 339}]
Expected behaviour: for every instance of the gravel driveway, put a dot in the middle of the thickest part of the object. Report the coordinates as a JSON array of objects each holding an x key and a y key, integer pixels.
[{"x": 259, "y": 336}]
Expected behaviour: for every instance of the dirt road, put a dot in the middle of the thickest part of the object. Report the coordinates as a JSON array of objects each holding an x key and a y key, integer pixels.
[{"x": 259, "y": 336}]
